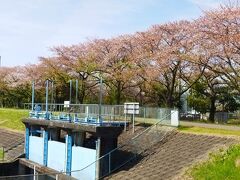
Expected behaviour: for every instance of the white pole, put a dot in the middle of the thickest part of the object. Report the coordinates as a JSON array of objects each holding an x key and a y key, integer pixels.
[
  {"x": 97, "y": 171},
  {"x": 133, "y": 122},
  {"x": 125, "y": 124},
  {"x": 34, "y": 172},
  {"x": 134, "y": 111}
]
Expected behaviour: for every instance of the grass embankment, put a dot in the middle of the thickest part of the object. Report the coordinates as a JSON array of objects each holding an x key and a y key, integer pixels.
[
  {"x": 11, "y": 118},
  {"x": 201, "y": 130},
  {"x": 221, "y": 165}
]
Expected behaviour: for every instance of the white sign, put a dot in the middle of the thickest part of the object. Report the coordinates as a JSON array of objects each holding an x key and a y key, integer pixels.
[
  {"x": 66, "y": 103},
  {"x": 131, "y": 108}
]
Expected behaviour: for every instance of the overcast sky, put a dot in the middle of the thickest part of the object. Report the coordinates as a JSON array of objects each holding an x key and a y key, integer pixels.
[{"x": 28, "y": 28}]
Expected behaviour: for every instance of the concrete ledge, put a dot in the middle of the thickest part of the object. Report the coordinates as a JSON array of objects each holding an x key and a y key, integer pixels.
[
  {"x": 44, "y": 170},
  {"x": 100, "y": 131}
]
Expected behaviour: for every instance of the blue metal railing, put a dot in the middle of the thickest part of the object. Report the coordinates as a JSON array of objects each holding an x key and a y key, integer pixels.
[{"x": 89, "y": 114}]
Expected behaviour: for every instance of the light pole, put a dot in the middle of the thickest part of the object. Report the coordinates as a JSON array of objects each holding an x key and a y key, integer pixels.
[{"x": 70, "y": 95}]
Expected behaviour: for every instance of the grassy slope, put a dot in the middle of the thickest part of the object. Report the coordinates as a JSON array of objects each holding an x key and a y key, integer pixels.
[
  {"x": 221, "y": 165},
  {"x": 201, "y": 130},
  {"x": 11, "y": 118},
  {"x": 1, "y": 153}
]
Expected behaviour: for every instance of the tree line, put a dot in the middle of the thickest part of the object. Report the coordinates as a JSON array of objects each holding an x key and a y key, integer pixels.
[{"x": 155, "y": 67}]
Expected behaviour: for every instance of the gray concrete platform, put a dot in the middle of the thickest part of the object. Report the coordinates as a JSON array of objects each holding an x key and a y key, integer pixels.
[{"x": 100, "y": 131}]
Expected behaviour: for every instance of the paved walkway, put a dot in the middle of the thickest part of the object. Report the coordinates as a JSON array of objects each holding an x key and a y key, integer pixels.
[{"x": 213, "y": 126}]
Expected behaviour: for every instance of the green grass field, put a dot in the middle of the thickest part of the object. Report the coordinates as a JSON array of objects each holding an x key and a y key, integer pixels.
[
  {"x": 201, "y": 130},
  {"x": 221, "y": 165},
  {"x": 11, "y": 118}
]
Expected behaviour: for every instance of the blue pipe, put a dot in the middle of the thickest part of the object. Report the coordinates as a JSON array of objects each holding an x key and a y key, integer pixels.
[
  {"x": 27, "y": 134},
  {"x": 45, "y": 148},
  {"x": 69, "y": 154}
]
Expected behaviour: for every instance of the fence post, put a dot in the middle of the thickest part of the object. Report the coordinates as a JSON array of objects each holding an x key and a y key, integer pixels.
[
  {"x": 144, "y": 114},
  {"x": 87, "y": 111}
]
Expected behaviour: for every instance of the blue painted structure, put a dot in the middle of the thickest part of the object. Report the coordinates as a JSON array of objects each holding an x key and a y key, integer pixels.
[
  {"x": 27, "y": 133},
  {"x": 69, "y": 154},
  {"x": 45, "y": 146},
  {"x": 36, "y": 149},
  {"x": 63, "y": 156}
]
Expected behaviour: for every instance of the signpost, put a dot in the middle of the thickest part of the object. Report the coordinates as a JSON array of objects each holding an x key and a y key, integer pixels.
[
  {"x": 66, "y": 104},
  {"x": 133, "y": 109}
]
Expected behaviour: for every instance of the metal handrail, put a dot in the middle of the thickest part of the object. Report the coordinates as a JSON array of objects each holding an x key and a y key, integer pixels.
[{"x": 127, "y": 143}]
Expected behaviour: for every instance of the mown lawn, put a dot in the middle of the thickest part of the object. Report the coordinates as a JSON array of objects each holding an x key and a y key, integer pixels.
[
  {"x": 11, "y": 118},
  {"x": 201, "y": 130},
  {"x": 221, "y": 165}
]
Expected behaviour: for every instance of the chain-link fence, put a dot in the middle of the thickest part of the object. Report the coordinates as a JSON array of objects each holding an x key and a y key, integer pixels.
[{"x": 110, "y": 113}]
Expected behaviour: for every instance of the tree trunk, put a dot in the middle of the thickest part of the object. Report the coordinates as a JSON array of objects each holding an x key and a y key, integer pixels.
[
  {"x": 169, "y": 102},
  {"x": 118, "y": 93},
  {"x": 81, "y": 97},
  {"x": 212, "y": 109}
]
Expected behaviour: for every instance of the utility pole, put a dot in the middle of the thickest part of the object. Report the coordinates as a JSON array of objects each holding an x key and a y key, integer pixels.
[{"x": 0, "y": 61}]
